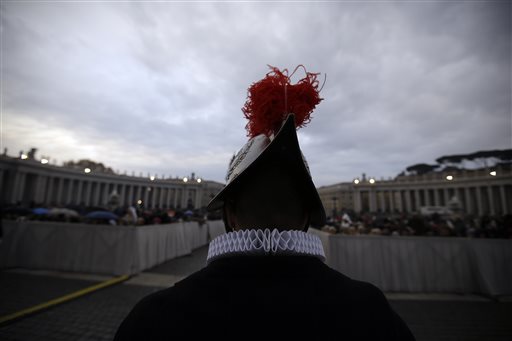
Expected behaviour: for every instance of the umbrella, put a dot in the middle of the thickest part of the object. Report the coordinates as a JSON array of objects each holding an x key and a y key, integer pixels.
[
  {"x": 63, "y": 211},
  {"x": 102, "y": 215},
  {"x": 189, "y": 212},
  {"x": 40, "y": 211}
]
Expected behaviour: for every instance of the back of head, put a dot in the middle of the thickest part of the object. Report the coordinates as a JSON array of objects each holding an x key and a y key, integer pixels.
[{"x": 274, "y": 198}]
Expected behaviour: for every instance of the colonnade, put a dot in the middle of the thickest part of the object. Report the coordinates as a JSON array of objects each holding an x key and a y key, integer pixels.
[
  {"x": 26, "y": 182},
  {"x": 475, "y": 197},
  {"x": 477, "y": 192}
]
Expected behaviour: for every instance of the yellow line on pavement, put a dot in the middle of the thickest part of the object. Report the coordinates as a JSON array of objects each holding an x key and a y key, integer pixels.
[{"x": 62, "y": 299}]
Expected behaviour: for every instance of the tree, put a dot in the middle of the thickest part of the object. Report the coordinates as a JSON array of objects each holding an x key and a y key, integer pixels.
[
  {"x": 92, "y": 165},
  {"x": 421, "y": 168},
  {"x": 451, "y": 159},
  {"x": 483, "y": 158},
  {"x": 487, "y": 157}
]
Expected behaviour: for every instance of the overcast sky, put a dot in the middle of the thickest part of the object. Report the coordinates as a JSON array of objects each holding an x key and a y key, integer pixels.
[{"x": 157, "y": 87}]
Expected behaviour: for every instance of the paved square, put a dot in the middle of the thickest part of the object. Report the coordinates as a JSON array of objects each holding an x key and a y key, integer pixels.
[{"x": 96, "y": 316}]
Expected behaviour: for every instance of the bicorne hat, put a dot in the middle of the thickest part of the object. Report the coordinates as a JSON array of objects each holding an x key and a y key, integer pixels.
[{"x": 275, "y": 109}]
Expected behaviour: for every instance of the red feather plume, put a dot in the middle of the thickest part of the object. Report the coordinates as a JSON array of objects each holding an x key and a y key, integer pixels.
[{"x": 271, "y": 99}]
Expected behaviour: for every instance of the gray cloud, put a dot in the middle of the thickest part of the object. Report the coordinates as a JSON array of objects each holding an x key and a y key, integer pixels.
[{"x": 158, "y": 87}]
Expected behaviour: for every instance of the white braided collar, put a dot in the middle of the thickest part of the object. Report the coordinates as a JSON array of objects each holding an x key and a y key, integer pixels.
[{"x": 265, "y": 242}]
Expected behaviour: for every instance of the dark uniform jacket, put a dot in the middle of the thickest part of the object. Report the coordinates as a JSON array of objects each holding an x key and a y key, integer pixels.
[{"x": 265, "y": 298}]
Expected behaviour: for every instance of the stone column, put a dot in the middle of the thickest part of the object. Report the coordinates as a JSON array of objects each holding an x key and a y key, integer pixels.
[
  {"x": 503, "y": 197},
  {"x": 446, "y": 196},
  {"x": 130, "y": 195},
  {"x": 122, "y": 193},
  {"x": 467, "y": 199},
  {"x": 479, "y": 201},
  {"x": 436, "y": 197},
  {"x": 168, "y": 198},
  {"x": 459, "y": 193},
  {"x": 153, "y": 196},
  {"x": 357, "y": 200},
  {"x": 146, "y": 196},
  {"x": 127, "y": 199},
  {"x": 69, "y": 193},
  {"x": 184, "y": 197},
  {"x": 118, "y": 188},
  {"x": 49, "y": 191},
  {"x": 426, "y": 192},
  {"x": 199, "y": 195},
  {"x": 97, "y": 194},
  {"x": 59, "y": 190},
  {"x": 21, "y": 186},
  {"x": 64, "y": 193},
  {"x": 391, "y": 200},
  {"x": 105, "y": 194},
  {"x": 37, "y": 185},
  {"x": 417, "y": 200},
  {"x": 92, "y": 193},
  {"x": 41, "y": 189},
  {"x": 408, "y": 200},
  {"x": 84, "y": 198},
  {"x": 490, "y": 197},
  {"x": 161, "y": 202},
  {"x": 174, "y": 196},
  {"x": 399, "y": 202},
  {"x": 372, "y": 200},
  {"x": 138, "y": 193},
  {"x": 79, "y": 191},
  {"x": 382, "y": 201},
  {"x": 13, "y": 195},
  {"x": 88, "y": 193}
]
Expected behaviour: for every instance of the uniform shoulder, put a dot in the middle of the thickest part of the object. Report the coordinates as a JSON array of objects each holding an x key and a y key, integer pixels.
[
  {"x": 343, "y": 281},
  {"x": 148, "y": 318}
]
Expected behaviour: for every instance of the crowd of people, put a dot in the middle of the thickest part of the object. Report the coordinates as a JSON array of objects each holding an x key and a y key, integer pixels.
[
  {"x": 347, "y": 222},
  {"x": 403, "y": 224},
  {"x": 121, "y": 215}
]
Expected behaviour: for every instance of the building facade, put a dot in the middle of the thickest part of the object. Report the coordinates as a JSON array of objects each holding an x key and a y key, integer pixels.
[
  {"x": 336, "y": 198},
  {"x": 30, "y": 182},
  {"x": 478, "y": 192}
]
